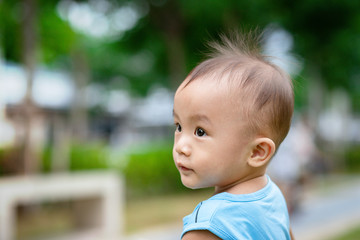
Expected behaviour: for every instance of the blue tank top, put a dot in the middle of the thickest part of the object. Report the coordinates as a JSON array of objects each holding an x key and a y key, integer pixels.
[{"x": 259, "y": 215}]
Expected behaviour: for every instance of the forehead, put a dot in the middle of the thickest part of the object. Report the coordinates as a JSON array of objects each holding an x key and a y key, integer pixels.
[
  {"x": 205, "y": 98},
  {"x": 201, "y": 90}
]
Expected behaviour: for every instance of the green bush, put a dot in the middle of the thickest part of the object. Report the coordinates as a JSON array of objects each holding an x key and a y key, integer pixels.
[
  {"x": 83, "y": 156},
  {"x": 148, "y": 169},
  {"x": 46, "y": 159},
  {"x": 352, "y": 159},
  {"x": 88, "y": 156},
  {"x": 152, "y": 171}
]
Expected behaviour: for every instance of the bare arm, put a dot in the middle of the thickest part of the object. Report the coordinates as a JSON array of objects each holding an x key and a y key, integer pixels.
[{"x": 200, "y": 235}]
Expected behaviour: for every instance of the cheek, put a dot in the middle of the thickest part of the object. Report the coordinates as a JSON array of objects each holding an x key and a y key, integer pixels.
[
  {"x": 230, "y": 152},
  {"x": 174, "y": 153}
]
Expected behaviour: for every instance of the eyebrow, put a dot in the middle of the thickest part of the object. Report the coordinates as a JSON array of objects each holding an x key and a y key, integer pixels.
[
  {"x": 197, "y": 116},
  {"x": 201, "y": 117}
]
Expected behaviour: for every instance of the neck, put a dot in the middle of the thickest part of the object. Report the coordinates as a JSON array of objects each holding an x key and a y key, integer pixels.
[{"x": 244, "y": 186}]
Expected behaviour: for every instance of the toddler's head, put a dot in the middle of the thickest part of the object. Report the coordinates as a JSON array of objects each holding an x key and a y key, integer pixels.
[{"x": 232, "y": 112}]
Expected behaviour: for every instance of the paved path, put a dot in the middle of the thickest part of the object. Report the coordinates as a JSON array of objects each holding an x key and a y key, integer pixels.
[
  {"x": 323, "y": 214},
  {"x": 329, "y": 213}
]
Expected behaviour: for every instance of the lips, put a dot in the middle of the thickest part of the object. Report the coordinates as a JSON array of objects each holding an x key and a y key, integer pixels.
[{"x": 183, "y": 168}]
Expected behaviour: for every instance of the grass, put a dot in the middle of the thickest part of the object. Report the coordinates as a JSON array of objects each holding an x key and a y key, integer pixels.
[
  {"x": 353, "y": 234},
  {"x": 145, "y": 213}
]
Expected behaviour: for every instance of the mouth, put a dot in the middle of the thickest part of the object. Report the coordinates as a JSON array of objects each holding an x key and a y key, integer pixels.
[{"x": 182, "y": 168}]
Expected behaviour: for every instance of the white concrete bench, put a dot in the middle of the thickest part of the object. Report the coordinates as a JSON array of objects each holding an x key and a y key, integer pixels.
[{"x": 105, "y": 189}]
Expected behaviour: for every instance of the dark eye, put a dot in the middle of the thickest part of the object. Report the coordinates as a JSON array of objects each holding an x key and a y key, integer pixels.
[
  {"x": 200, "y": 132},
  {"x": 178, "y": 127}
]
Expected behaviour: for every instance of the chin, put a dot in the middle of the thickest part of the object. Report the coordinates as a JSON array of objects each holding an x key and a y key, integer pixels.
[
  {"x": 189, "y": 185},
  {"x": 192, "y": 185},
  {"x": 193, "y": 188}
]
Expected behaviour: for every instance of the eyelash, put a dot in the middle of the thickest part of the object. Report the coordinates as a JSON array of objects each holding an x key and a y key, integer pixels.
[
  {"x": 178, "y": 127},
  {"x": 199, "y": 132}
]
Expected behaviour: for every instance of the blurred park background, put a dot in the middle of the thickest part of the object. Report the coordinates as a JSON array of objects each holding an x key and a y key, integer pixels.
[{"x": 87, "y": 85}]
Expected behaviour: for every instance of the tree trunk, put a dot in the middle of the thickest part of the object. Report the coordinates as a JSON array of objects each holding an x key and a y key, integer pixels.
[
  {"x": 78, "y": 116},
  {"x": 30, "y": 161},
  {"x": 169, "y": 19}
]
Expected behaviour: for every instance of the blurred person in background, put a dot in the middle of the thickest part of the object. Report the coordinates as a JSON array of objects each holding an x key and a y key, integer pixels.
[{"x": 290, "y": 165}]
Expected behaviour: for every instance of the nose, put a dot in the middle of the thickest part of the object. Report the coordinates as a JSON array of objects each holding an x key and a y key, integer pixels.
[{"x": 182, "y": 146}]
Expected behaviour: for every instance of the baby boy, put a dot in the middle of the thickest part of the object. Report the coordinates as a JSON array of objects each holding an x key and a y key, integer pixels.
[{"x": 231, "y": 114}]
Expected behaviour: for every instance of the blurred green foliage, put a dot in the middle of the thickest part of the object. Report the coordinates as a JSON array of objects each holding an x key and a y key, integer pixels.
[
  {"x": 170, "y": 36},
  {"x": 88, "y": 157},
  {"x": 46, "y": 159},
  {"x": 83, "y": 156},
  {"x": 151, "y": 171},
  {"x": 148, "y": 169},
  {"x": 352, "y": 159},
  {"x": 352, "y": 234}
]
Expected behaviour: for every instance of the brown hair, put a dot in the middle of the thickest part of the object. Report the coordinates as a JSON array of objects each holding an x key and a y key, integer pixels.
[{"x": 265, "y": 91}]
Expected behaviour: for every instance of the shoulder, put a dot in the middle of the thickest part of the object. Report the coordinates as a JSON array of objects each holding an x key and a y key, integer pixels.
[
  {"x": 211, "y": 219},
  {"x": 203, "y": 215}
]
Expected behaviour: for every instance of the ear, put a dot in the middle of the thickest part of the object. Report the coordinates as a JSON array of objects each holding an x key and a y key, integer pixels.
[{"x": 262, "y": 151}]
